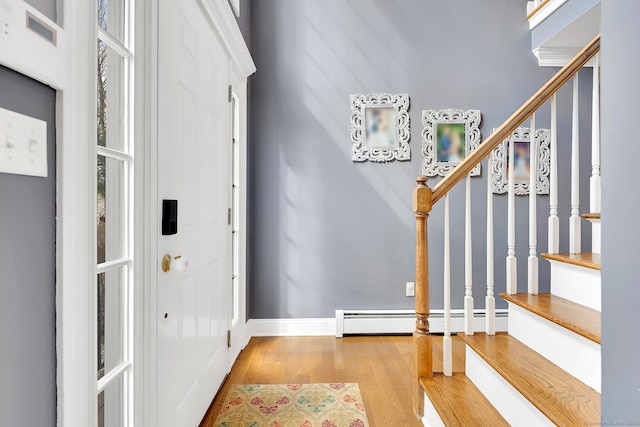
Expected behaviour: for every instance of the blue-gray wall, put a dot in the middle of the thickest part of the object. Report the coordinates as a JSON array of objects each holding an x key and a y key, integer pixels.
[
  {"x": 620, "y": 207},
  {"x": 326, "y": 233},
  {"x": 567, "y": 13},
  {"x": 27, "y": 271}
]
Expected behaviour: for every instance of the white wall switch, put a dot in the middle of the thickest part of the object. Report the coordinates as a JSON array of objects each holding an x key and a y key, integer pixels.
[
  {"x": 411, "y": 289},
  {"x": 23, "y": 144}
]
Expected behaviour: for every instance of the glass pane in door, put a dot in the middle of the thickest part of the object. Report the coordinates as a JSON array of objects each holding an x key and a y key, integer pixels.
[
  {"x": 111, "y": 16},
  {"x": 111, "y": 319},
  {"x": 110, "y": 210},
  {"x": 110, "y": 95},
  {"x": 111, "y": 408}
]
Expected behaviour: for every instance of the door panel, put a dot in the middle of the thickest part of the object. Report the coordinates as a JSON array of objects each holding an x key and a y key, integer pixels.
[{"x": 192, "y": 358}]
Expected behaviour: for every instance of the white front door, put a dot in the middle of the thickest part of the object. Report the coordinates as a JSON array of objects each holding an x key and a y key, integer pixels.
[{"x": 193, "y": 168}]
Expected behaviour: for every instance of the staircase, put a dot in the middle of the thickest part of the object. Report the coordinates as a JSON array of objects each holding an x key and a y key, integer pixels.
[{"x": 546, "y": 370}]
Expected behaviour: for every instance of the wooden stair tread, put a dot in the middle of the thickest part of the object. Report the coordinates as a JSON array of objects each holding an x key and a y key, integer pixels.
[
  {"x": 591, "y": 216},
  {"x": 577, "y": 318},
  {"x": 583, "y": 259},
  {"x": 562, "y": 398},
  {"x": 459, "y": 402}
]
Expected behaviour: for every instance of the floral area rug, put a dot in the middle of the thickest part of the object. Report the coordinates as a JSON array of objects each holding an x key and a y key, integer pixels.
[{"x": 293, "y": 405}]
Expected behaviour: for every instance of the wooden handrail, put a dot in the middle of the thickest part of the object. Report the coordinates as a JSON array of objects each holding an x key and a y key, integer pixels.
[
  {"x": 536, "y": 9},
  {"x": 510, "y": 125}
]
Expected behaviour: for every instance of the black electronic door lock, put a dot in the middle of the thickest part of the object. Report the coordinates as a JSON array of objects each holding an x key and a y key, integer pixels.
[{"x": 169, "y": 217}]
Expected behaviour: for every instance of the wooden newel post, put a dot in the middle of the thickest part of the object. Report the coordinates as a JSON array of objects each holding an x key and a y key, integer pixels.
[{"x": 422, "y": 350}]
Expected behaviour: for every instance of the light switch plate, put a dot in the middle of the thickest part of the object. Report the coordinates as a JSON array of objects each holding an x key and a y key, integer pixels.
[
  {"x": 23, "y": 144},
  {"x": 410, "y": 288}
]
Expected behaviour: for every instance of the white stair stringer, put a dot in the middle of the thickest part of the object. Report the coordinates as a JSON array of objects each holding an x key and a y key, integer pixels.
[
  {"x": 578, "y": 284},
  {"x": 574, "y": 353},
  {"x": 513, "y": 406}
]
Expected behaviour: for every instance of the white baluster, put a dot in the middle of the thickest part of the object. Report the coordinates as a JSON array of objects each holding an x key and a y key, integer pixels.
[
  {"x": 532, "y": 275},
  {"x": 574, "y": 219},
  {"x": 447, "y": 364},
  {"x": 512, "y": 265},
  {"x": 595, "y": 139},
  {"x": 554, "y": 221},
  {"x": 468, "y": 266},
  {"x": 490, "y": 300}
]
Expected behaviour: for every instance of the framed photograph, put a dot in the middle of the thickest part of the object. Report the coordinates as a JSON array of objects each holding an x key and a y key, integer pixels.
[
  {"x": 380, "y": 128},
  {"x": 500, "y": 163},
  {"x": 448, "y": 136}
]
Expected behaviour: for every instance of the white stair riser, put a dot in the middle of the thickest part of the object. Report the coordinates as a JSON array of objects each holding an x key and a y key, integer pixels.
[
  {"x": 578, "y": 284},
  {"x": 575, "y": 354},
  {"x": 513, "y": 407},
  {"x": 595, "y": 237},
  {"x": 431, "y": 417}
]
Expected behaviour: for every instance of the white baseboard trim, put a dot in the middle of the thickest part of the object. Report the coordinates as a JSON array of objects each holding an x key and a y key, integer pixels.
[
  {"x": 436, "y": 321},
  {"x": 291, "y": 327},
  {"x": 373, "y": 324}
]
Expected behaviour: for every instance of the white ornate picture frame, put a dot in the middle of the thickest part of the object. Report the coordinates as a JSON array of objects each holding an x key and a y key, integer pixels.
[
  {"x": 448, "y": 136},
  {"x": 380, "y": 127},
  {"x": 499, "y": 160}
]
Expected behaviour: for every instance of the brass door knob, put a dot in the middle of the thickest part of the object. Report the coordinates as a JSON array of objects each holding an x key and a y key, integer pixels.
[
  {"x": 166, "y": 263},
  {"x": 180, "y": 263}
]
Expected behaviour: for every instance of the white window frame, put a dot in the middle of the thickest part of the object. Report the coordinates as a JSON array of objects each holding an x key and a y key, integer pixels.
[
  {"x": 75, "y": 228},
  {"x": 125, "y": 85}
]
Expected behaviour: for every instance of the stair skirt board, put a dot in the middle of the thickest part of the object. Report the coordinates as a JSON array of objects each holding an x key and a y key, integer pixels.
[
  {"x": 513, "y": 407},
  {"x": 403, "y": 321},
  {"x": 575, "y": 283},
  {"x": 575, "y": 354},
  {"x": 431, "y": 417}
]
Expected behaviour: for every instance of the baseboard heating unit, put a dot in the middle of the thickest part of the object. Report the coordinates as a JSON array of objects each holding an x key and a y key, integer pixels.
[{"x": 362, "y": 322}]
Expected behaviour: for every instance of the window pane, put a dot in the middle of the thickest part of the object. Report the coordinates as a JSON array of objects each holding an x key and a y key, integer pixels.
[
  {"x": 110, "y": 98},
  {"x": 235, "y": 252},
  {"x": 111, "y": 319},
  {"x": 236, "y": 163},
  {"x": 236, "y": 209},
  {"x": 235, "y": 299},
  {"x": 111, "y": 404},
  {"x": 111, "y": 17},
  {"x": 110, "y": 210}
]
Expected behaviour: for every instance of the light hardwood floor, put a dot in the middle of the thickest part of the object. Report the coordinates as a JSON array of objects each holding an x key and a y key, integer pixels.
[{"x": 381, "y": 365}]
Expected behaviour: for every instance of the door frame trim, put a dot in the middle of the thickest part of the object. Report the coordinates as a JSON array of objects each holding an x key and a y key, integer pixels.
[
  {"x": 75, "y": 228},
  {"x": 146, "y": 211}
]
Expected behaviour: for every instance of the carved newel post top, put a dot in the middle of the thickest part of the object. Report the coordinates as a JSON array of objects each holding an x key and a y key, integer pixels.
[{"x": 422, "y": 195}]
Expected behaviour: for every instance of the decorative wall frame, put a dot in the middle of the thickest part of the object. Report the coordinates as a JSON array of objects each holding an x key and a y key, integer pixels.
[
  {"x": 522, "y": 141},
  {"x": 448, "y": 136},
  {"x": 380, "y": 127}
]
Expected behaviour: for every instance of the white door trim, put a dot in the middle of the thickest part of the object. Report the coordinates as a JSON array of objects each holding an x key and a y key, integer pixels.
[
  {"x": 223, "y": 22},
  {"x": 75, "y": 226},
  {"x": 239, "y": 333},
  {"x": 146, "y": 211}
]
